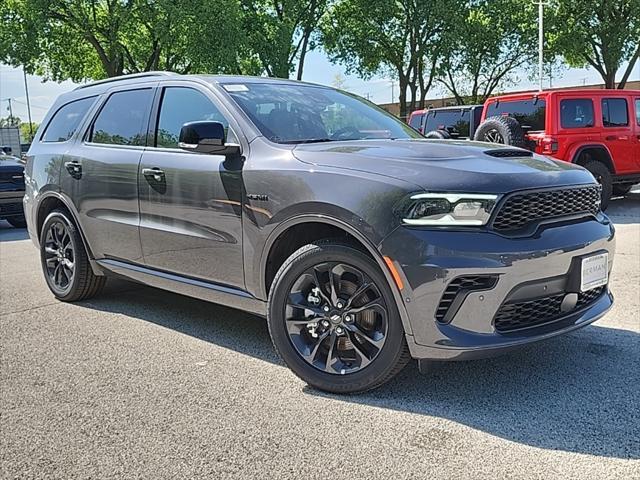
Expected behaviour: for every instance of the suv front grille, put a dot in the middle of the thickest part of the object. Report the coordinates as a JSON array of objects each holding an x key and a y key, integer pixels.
[
  {"x": 522, "y": 209},
  {"x": 457, "y": 291},
  {"x": 531, "y": 313}
]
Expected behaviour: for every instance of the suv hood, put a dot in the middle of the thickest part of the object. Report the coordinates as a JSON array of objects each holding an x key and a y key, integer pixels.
[{"x": 446, "y": 165}]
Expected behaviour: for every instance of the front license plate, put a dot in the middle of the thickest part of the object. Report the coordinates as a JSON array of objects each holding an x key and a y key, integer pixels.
[{"x": 595, "y": 271}]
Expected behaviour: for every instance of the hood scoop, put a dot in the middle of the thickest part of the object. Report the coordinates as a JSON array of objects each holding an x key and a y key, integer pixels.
[{"x": 508, "y": 153}]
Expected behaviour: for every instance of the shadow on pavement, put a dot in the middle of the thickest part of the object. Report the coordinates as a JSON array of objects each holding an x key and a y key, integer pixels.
[
  {"x": 577, "y": 393},
  {"x": 625, "y": 210},
  {"x": 9, "y": 233}
]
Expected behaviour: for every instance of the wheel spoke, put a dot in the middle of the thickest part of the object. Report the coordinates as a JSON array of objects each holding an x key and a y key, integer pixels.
[
  {"x": 354, "y": 328},
  {"x": 311, "y": 356},
  {"x": 329, "y": 361},
  {"x": 363, "y": 288},
  {"x": 375, "y": 305},
  {"x": 364, "y": 359},
  {"x": 50, "y": 251},
  {"x": 334, "y": 282},
  {"x": 319, "y": 284},
  {"x": 52, "y": 262}
]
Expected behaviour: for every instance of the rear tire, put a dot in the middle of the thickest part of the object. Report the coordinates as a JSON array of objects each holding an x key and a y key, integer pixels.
[
  {"x": 64, "y": 260},
  {"x": 603, "y": 176},
  {"x": 338, "y": 350},
  {"x": 501, "y": 130},
  {"x": 438, "y": 134}
]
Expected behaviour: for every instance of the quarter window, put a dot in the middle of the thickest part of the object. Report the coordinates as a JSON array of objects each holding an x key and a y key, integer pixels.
[
  {"x": 179, "y": 106},
  {"x": 638, "y": 111},
  {"x": 66, "y": 120},
  {"x": 614, "y": 112},
  {"x": 529, "y": 113},
  {"x": 416, "y": 120},
  {"x": 576, "y": 113},
  {"x": 123, "y": 118}
]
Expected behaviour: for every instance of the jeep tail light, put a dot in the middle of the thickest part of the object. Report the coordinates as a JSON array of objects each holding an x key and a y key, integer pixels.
[{"x": 549, "y": 145}]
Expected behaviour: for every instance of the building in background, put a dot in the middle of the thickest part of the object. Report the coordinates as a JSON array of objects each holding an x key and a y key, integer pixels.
[{"x": 394, "y": 108}]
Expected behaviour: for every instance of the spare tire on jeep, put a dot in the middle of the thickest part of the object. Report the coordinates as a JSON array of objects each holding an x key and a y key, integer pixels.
[
  {"x": 441, "y": 134},
  {"x": 501, "y": 129}
]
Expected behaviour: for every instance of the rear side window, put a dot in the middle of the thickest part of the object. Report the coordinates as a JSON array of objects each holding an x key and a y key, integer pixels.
[
  {"x": 66, "y": 120},
  {"x": 179, "y": 106},
  {"x": 455, "y": 121},
  {"x": 529, "y": 113},
  {"x": 416, "y": 121},
  {"x": 576, "y": 113},
  {"x": 614, "y": 112},
  {"x": 123, "y": 118},
  {"x": 638, "y": 111}
]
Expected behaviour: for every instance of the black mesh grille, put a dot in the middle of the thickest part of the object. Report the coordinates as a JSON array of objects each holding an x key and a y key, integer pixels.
[
  {"x": 460, "y": 285},
  {"x": 514, "y": 316},
  {"x": 507, "y": 153},
  {"x": 523, "y": 209},
  {"x": 7, "y": 208}
]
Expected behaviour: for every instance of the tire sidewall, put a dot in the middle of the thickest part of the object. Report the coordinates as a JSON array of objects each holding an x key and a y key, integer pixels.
[
  {"x": 599, "y": 169},
  {"x": 380, "y": 367},
  {"x": 58, "y": 216}
]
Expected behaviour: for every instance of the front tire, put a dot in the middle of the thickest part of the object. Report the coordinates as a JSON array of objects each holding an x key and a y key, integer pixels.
[
  {"x": 333, "y": 319},
  {"x": 65, "y": 262}
]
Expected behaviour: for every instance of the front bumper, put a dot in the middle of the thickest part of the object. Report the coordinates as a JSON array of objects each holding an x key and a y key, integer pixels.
[{"x": 430, "y": 259}]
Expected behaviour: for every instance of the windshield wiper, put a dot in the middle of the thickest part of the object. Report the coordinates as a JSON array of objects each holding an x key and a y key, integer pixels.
[{"x": 308, "y": 140}]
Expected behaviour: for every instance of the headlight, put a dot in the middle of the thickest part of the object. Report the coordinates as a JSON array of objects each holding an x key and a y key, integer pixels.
[{"x": 448, "y": 209}]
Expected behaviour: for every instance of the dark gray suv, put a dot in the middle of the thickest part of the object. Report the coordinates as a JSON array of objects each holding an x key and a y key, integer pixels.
[{"x": 361, "y": 242}]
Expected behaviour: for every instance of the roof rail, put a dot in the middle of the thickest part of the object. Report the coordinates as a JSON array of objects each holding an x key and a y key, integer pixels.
[{"x": 126, "y": 77}]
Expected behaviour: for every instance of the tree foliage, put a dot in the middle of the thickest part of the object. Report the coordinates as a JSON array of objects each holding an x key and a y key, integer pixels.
[
  {"x": 603, "y": 34},
  {"x": 90, "y": 39},
  {"x": 404, "y": 37},
  {"x": 489, "y": 42},
  {"x": 281, "y": 32}
]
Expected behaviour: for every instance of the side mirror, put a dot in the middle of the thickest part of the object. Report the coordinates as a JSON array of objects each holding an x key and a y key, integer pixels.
[{"x": 206, "y": 137}]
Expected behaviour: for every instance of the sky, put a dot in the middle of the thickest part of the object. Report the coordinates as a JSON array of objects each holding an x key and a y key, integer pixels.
[{"x": 318, "y": 69}]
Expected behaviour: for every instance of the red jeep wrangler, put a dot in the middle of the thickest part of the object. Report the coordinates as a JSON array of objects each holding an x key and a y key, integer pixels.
[{"x": 598, "y": 129}]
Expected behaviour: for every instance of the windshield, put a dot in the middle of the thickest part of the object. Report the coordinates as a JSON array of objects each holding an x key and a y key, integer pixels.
[{"x": 286, "y": 113}]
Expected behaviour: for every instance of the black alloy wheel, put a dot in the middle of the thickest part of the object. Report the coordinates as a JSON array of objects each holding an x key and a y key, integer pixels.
[
  {"x": 65, "y": 262},
  {"x": 494, "y": 136},
  {"x": 333, "y": 318},
  {"x": 336, "y": 318},
  {"x": 59, "y": 256}
]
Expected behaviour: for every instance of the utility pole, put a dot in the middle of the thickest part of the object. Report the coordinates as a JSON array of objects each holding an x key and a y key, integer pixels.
[
  {"x": 393, "y": 83},
  {"x": 26, "y": 91},
  {"x": 10, "y": 111}
]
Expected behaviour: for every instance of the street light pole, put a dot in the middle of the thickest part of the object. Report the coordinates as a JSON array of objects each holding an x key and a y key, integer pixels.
[{"x": 26, "y": 91}]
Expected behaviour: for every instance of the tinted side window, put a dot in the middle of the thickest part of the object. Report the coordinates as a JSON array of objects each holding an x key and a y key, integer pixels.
[
  {"x": 123, "y": 118},
  {"x": 530, "y": 113},
  {"x": 614, "y": 112},
  {"x": 638, "y": 111},
  {"x": 455, "y": 121},
  {"x": 66, "y": 120},
  {"x": 179, "y": 106},
  {"x": 416, "y": 121},
  {"x": 576, "y": 113}
]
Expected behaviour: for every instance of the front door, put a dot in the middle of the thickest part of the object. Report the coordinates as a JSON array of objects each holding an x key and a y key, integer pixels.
[
  {"x": 103, "y": 171},
  {"x": 190, "y": 203}
]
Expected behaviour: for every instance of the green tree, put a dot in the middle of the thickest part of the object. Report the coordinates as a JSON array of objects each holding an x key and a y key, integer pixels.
[
  {"x": 28, "y": 131},
  {"x": 402, "y": 38},
  {"x": 281, "y": 32},
  {"x": 603, "y": 34},
  {"x": 489, "y": 42},
  {"x": 89, "y": 39}
]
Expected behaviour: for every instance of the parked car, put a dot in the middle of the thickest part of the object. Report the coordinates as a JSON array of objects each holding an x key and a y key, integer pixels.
[
  {"x": 598, "y": 129},
  {"x": 11, "y": 190},
  {"x": 458, "y": 122},
  {"x": 362, "y": 243}
]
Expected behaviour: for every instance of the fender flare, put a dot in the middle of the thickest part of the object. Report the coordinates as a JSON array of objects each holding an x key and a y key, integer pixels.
[
  {"x": 577, "y": 151},
  {"x": 362, "y": 239}
]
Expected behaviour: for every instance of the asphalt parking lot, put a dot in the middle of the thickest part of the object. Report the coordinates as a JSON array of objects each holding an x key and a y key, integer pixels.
[{"x": 141, "y": 383}]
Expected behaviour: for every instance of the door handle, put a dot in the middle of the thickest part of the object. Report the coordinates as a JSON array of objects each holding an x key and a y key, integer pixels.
[
  {"x": 74, "y": 168},
  {"x": 155, "y": 172},
  {"x": 610, "y": 137}
]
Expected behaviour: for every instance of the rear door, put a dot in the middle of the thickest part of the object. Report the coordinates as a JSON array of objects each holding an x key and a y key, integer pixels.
[
  {"x": 636, "y": 102},
  {"x": 618, "y": 132},
  {"x": 103, "y": 171},
  {"x": 190, "y": 203}
]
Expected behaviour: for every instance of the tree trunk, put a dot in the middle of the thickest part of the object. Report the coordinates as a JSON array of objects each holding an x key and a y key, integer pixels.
[
  {"x": 403, "y": 97},
  {"x": 627, "y": 73}
]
